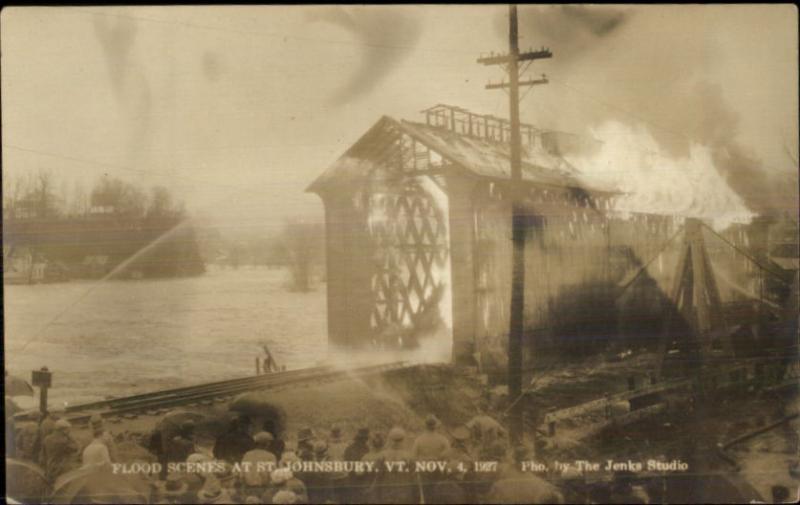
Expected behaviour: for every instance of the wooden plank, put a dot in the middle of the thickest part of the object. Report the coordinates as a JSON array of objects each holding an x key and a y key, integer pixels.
[{"x": 601, "y": 403}]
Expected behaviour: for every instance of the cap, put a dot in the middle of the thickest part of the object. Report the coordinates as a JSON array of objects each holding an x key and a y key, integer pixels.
[
  {"x": 320, "y": 446},
  {"x": 197, "y": 457},
  {"x": 280, "y": 475},
  {"x": 461, "y": 433},
  {"x": 284, "y": 497},
  {"x": 397, "y": 434},
  {"x": 570, "y": 473},
  {"x": 378, "y": 440},
  {"x": 289, "y": 457},
  {"x": 304, "y": 434},
  {"x": 174, "y": 485},
  {"x": 431, "y": 422}
]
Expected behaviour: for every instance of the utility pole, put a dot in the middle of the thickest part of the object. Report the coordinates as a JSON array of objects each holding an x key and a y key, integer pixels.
[{"x": 516, "y": 328}]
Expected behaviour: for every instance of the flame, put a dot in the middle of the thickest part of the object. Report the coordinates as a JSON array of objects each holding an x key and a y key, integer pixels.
[{"x": 652, "y": 181}]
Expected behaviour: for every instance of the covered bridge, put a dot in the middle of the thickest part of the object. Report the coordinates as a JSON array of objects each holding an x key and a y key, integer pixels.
[{"x": 419, "y": 239}]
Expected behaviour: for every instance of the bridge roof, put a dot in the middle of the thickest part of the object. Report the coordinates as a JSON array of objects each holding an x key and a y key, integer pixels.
[{"x": 473, "y": 155}]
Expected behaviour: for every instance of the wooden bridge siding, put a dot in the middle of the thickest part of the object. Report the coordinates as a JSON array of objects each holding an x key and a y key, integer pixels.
[
  {"x": 566, "y": 266},
  {"x": 348, "y": 259},
  {"x": 462, "y": 263}
]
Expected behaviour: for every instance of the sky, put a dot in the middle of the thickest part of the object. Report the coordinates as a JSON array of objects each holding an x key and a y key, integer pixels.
[{"x": 238, "y": 109}]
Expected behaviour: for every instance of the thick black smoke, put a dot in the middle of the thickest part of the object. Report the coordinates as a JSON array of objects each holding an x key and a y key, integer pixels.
[
  {"x": 573, "y": 28},
  {"x": 386, "y": 36},
  {"x": 658, "y": 68}
]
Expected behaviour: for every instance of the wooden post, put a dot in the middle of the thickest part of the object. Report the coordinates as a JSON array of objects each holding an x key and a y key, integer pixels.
[
  {"x": 518, "y": 214},
  {"x": 43, "y": 379},
  {"x": 462, "y": 269}
]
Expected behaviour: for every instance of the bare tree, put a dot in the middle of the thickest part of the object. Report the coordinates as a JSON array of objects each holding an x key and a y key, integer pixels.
[
  {"x": 303, "y": 243},
  {"x": 125, "y": 199}
]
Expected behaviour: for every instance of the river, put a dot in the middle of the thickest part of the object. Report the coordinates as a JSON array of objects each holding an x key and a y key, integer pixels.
[{"x": 113, "y": 338}]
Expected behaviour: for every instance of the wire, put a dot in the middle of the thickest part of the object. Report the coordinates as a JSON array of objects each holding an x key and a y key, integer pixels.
[
  {"x": 259, "y": 33},
  {"x": 627, "y": 284},
  {"x": 620, "y": 109},
  {"x": 126, "y": 168},
  {"x": 778, "y": 276}
]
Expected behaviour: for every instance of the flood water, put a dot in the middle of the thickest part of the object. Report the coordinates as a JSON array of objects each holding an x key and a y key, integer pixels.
[{"x": 114, "y": 338}]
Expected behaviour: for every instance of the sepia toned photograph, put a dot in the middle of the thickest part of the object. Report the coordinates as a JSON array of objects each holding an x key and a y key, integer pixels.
[{"x": 401, "y": 254}]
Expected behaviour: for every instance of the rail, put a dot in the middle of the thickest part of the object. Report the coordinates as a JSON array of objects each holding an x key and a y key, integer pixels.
[{"x": 164, "y": 399}]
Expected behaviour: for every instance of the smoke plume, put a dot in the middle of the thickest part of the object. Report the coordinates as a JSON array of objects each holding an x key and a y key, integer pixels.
[
  {"x": 386, "y": 37},
  {"x": 626, "y": 65}
]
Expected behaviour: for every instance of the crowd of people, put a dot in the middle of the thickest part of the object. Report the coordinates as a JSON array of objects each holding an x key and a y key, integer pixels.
[{"x": 50, "y": 443}]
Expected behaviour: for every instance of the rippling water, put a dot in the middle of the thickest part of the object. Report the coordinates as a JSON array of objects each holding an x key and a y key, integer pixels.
[{"x": 125, "y": 337}]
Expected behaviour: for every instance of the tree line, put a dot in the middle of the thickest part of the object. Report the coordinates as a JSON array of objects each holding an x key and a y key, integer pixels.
[
  {"x": 94, "y": 233},
  {"x": 148, "y": 230}
]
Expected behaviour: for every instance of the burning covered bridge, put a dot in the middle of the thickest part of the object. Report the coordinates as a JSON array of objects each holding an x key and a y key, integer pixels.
[{"x": 418, "y": 226}]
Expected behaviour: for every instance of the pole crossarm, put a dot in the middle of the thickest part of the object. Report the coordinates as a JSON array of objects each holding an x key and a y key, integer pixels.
[
  {"x": 530, "y": 82},
  {"x": 501, "y": 59}
]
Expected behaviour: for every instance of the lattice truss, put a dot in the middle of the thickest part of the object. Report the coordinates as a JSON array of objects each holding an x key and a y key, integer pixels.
[{"x": 409, "y": 236}]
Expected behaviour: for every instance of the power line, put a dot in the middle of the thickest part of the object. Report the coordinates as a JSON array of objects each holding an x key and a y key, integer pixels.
[
  {"x": 126, "y": 168},
  {"x": 259, "y": 33}
]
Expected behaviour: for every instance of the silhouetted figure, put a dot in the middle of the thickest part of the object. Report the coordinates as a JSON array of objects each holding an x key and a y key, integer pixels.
[{"x": 233, "y": 444}]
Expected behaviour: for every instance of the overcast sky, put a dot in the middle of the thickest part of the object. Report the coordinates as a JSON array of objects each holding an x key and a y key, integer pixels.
[{"x": 238, "y": 109}]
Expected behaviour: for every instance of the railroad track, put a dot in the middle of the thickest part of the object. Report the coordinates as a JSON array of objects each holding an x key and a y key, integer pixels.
[{"x": 207, "y": 393}]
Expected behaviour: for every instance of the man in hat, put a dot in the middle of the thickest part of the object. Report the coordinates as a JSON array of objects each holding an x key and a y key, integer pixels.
[
  {"x": 47, "y": 424},
  {"x": 195, "y": 478},
  {"x": 359, "y": 446},
  {"x": 361, "y": 483},
  {"x": 516, "y": 486},
  {"x": 232, "y": 445},
  {"x": 430, "y": 445},
  {"x": 213, "y": 492},
  {"x": 98, "y": 451},
  {"x": 336, "y": 449},
  {"x": 172, "y": 490},
  {"x": 623, "y": 489},
  {"x": 104, "y": 436},
  {"x": 284, "y": 497},
  {"x": 336, "y": 444},
  {"x": 59, "y": 451},
  {"x": 485, "y": 429},
  {"x": 96, "y": 454},
  {"x": 292, "y": 482},
  {"x": 573, "y": 486},
  {"x": 283, "y": 481},
  {"x": 320, "y": 488},
  {"x": 25, "y": 437},
  {"x": 460, "y": 450},
  {"x": 396, "y": 487},
  {"x": 460, "y": 460},
  {"x": 305, "y": 444},
  {"x": 256, "y": 479},
  {"x": 278, "y": 445},
  {"x": 182, "y": 445}
]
